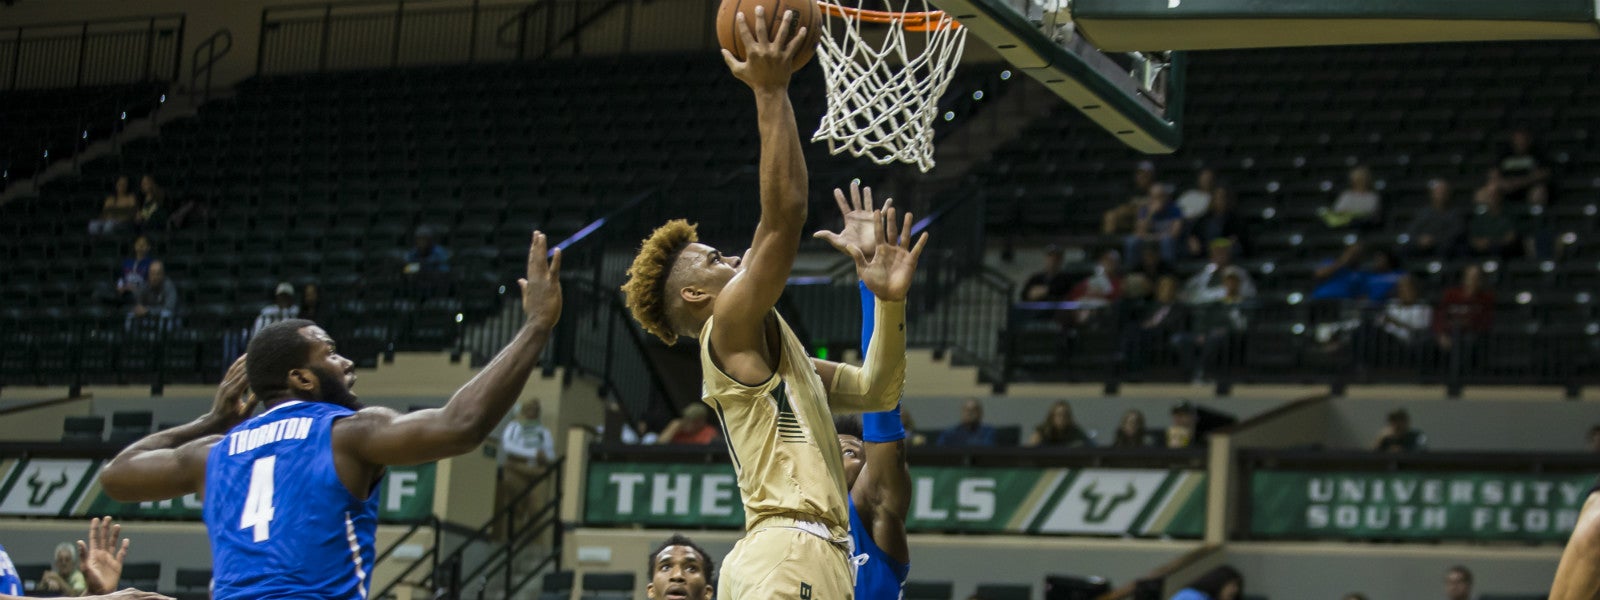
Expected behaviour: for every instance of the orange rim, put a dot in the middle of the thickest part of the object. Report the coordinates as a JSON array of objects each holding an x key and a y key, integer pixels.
[{"x": 931, "y": 20}]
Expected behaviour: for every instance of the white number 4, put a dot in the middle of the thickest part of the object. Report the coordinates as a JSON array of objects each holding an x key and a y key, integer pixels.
[{"x": 258, "y": 502}]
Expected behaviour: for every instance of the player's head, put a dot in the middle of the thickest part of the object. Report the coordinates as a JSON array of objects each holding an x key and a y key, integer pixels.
[
  {"x": 851, "y": 447},
  {"x": 674, "y": 280},
  {"x": 1221, "y": 583},
  {"x": 681, "y": 570},
  {"x": 296, "y": 359}
]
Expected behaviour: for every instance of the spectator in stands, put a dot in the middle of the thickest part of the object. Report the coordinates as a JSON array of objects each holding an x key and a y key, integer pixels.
[
  {"x": 283, "y": 307},
  {"x": 1050, "y": 284},
  {"x": 1130, "y": 432},
  {"x": 1058, "y": 429},
  {"x": 102, "y": 557},
  {"x": 1208, "y": 285},
  {"x": 1435, "y": 230},
  {"x": 118, "y": 211},
  {"x": 1491, "y": 232},
  {"x": 1340, "y": 280},
  {"x": 1102, "y": 287},
  {"x": 151, "y": 205},
  {"x": 913, "y": 437},
  {"x": 310, "y": 302},
  {"x": 1464, "y": 310},
  {"x": 156, "y": 302},
  {"x": 1197, "y": 200},
  {"x": 1458, "y": 583},
  {"x": 1522, "y": 173},
  {"x": 970, "y": 431},
  {"x": 1120, "y": 218},
  {"x": 192, "y": 212},
  {"x": 1398, "y": 436},
  {"x": 1213, "y": 326},
  {"x": 1594, "y": 439},
  {"x": 1153, "y": 267},
  {"x": 637, "y": 432},
  {"x": 1150, "y": 322},
  {"x": 1181, "y": 433},
  {"x": 694, "y": 428},
  {"x": 1219, "y": 221},
  {"x": 1221, "y": 583},
  {"x": 427, "y": 257},
  {"x": 525, "y": 440},
  {"x": 1406, "y": 318},
  {"x": 135, "y": 270},
  {"x": 1159, "y": 223},
  {"x": 64, "y": 577},
  {"x": 1358, "y": 205}
]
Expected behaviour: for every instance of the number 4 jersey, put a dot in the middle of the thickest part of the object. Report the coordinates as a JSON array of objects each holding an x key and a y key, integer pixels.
[{"x": 282, "y": 524}]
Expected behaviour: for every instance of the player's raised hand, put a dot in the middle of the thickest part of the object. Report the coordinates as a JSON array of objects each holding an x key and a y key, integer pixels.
[
  {"x": 768, "y": 57},
  {"x": 888, "y": 274},
  {"x": 861, "y": 221},
  {"x": 233, "y": 403},
  {"x": 102, "y": 556},
  {"x": 541, "y": 290}
]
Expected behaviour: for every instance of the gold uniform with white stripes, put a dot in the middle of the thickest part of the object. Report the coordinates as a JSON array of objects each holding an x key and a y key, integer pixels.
[{"x": 785, "y": 450}]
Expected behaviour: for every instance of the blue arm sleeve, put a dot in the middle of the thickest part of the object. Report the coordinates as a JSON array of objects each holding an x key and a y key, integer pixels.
[{"x": 878, "y": 427}]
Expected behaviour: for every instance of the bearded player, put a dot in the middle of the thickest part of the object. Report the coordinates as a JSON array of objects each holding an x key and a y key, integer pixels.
[
  {"x": 291, "y": 495},
  {"x": 775, "y": 406},
  {"x": 1578, "y": 575}
]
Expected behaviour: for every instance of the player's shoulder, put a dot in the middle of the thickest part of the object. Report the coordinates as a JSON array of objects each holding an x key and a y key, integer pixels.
[{"x": 367, "y": 417}]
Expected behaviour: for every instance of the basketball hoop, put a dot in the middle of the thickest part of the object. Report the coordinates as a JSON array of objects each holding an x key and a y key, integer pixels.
[{"x": 882, "y": 102}]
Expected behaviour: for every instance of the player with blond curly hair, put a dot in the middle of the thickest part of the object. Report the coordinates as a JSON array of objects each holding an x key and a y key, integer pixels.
[{"x": 774, "y": 404}]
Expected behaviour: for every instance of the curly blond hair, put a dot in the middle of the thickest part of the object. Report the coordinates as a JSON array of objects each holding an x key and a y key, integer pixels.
[{"x": 645, "y": 290}]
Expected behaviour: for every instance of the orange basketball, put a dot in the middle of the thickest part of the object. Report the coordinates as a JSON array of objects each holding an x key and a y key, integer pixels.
[{"x": 806, "y": 14}]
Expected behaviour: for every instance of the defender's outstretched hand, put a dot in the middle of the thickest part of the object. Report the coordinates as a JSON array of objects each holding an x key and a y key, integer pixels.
[
  {"x": 102, "y": 556},
  {"x": 861, "y": 221},
  {"x": 541, "y": 290},
  {"x": 767, "y": 62},
  {"x": 888, "y": 274}
]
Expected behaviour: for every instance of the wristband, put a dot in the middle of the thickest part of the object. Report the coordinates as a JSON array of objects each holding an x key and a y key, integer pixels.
[{"x": 883, "y": 427}]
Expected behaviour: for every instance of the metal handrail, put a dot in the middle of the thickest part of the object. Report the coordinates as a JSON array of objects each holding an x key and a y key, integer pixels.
[{"x": 198, "y": 67}]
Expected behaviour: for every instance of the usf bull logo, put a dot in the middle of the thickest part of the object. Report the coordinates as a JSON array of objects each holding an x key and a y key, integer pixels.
[
  {"x": 42, "y": 485},
  {"x": 1101, "y": 504}
]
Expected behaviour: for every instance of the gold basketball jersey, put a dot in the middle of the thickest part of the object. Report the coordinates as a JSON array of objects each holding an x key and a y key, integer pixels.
[{"x": 781, "y": 437}]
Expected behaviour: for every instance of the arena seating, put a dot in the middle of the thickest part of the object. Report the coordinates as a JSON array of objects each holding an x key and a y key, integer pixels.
[{"x": 47, "y": 125}]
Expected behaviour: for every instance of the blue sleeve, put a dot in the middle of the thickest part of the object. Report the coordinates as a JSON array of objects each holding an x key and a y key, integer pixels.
[{"x": 876, "y": 427}]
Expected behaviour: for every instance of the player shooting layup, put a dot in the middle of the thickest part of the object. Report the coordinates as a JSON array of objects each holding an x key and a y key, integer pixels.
[
  {"x": 770, "y": 399},
  {"x": 291, "y": 495}
]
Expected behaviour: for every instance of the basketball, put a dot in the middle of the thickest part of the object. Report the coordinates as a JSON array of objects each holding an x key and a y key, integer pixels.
[{"x": 806, "y": 14}]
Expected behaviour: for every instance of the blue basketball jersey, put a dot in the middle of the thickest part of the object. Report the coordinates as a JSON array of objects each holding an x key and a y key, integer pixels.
[
  {"x": 10, "y": 582},
  {"x": 281, "y": 523},
  {"x": 878, "y": 577}
]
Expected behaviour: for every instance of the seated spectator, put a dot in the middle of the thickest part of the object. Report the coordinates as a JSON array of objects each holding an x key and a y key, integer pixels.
[
  {"x": 1406, "y": 317},
  {"x": 970, "y": 431},
  {"x": 427, "y": 257},
  {"x": 283, "y": 307},
  {"x": 1159, "y": 223},
  {"x": 64, "y": 577},
  {"x": 1212, "y": 327},
  {"x": 525, "y": 440},
  {"x": 1149, "y": 322},
  {"x": 1207, "y": 285},
  {"x": 1398, "y": 436},
  {"x": 1435, "y": 230},
  {"x": 1153, "y": 267},
  {"x": 616, "y": 419},
  {"x": 1130, "y": 432},
  {"x": 1219, "y": 222},
  {"x": 1120, "y": 218},
  {"x": 310, "y": 302},
  {"x": 152, "y": 214},
  {"x": 101, "y": 566},
  {"x": 1050, "y": 284},
  {"x": 193, "y": 211},
  {"x": 1340, "y": 280},
  {"x": 155, "y": 302},
  {"x": 1181, "y": 432},
  {"x": 1464, "y": 310},
  {"x": 694, "y": 428},
  {"x": 119, "y": 210},
  {"x": 1058, "y": 429},
  {"x": 1458, "y": 583},
  {"x": 1197, "y": 200},
  {"x": 1594, "y": 439},
  {"x": 135, "y": 270},
  {"x": 1357, "y": 205},
  {"x": 1521, "y": 174},
  {"x": 1491, "y": 232},
  {"x": 1102, "y": 287},
  {"x": 913, "y": 438},
  {"x": 1221, "y": 583}
]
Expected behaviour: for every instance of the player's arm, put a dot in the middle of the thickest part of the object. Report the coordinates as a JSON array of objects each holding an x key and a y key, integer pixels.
[
  {"x": 883, "y": 492},
  {"x": 172, "y": 463},
  {"x": 750, "y": 296},
  {"x": 876, "y": 384},
  {"x": 1578, "y": 576},
  {"x": 381, "y": 436}
]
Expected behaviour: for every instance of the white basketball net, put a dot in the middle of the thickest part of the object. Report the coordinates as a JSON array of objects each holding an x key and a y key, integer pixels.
[{"x": 882, "y": 102}]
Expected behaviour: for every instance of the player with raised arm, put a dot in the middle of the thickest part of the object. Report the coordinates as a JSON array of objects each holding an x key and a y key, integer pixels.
[
  {"x": 291, "y": 495},
  {"x": 774, "y": 404},
  {"x": 101, "y": 562},
  {"x": 1578, "y": 575},
  {"x": 874, "y": 447}
]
